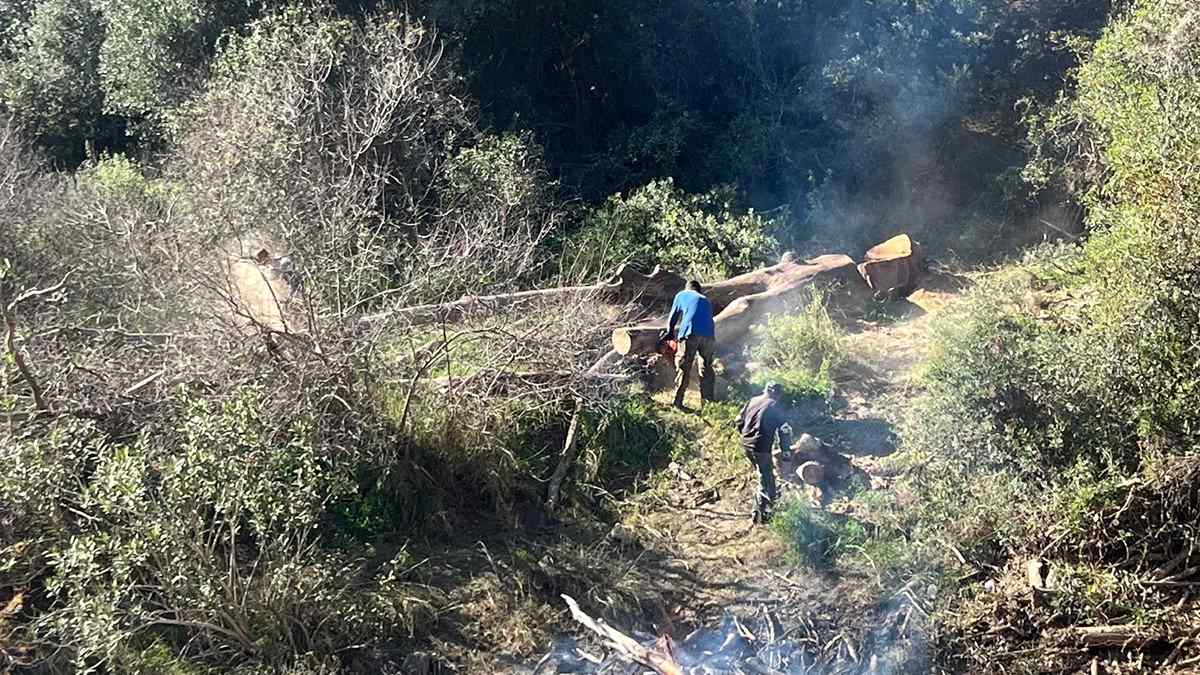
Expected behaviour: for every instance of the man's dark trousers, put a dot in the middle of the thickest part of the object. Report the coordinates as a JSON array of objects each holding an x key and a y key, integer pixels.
[
  {"x": 764, "y": 499},
  {"x": 691, "y": 347}
]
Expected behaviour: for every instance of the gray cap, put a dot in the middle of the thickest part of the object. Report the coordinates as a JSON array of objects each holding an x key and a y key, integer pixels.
[{"x": 773, "y": 389}]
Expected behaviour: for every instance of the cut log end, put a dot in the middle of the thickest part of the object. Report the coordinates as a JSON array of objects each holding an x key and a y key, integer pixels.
[{"x": 636, "y": 340}]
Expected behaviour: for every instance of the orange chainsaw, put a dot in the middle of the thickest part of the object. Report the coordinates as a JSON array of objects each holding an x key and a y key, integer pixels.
[{"x": 667, "y": 345}]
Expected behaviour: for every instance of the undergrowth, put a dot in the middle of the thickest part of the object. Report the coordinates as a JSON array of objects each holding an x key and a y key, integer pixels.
[{"x": 800, "y": 350}]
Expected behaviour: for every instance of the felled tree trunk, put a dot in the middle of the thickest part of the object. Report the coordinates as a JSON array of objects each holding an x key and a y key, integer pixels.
[
  {"x": 628, "y": 285},
  {"x": 745, "y": 300},
  {"x": 636, "y": 339},
  {"x": 893, "y": 267}
]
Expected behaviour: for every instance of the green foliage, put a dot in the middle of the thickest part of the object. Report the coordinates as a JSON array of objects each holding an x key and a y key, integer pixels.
[
  {"x": 1062, "y": 388},
  {"x": 800, "y": 350},
  {"x": 153, "y": 52},
  {"x": 809, "y": 336},
  {"x": 1042, "y": 367},
  {"x": 119, "y": 177},
  {"x": 625, "y": 439},
  {"x": 798, "y": 383},
  {"x": 13, "y": 17},
  {"x": 92, "y": 71},
  {"x": 659, "y": 224},
  {"x": 830, "y": 108},
  {"x": 212, "y": 538},
  {"x": 817, "y": 537},
  {"x": 52, "y": 86}
]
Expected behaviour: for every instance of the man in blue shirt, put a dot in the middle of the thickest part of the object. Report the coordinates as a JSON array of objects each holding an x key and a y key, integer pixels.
[{"x": 691, "y": 322}]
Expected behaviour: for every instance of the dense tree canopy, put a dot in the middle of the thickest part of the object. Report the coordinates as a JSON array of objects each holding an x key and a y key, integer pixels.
[{"x": 844, "y": 112}]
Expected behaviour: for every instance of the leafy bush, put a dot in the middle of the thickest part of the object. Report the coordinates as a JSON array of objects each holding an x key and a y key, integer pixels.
[
  {"x": 658, "y": 224},
  {"x": 194, "y": 483},
  {"x": 798, "y": 383},
  {"x": 205, "y": 537},
  {"x": 800, "y": 350},
  {"x": 809, "y": 337},
  {"x": 816, "y": 536},
  {"x": 1079, "y": 355},
  {"x": 52, "y": 86},
  {"x": 396, "y": 197},
  {"x": 1063, "y": 389}
]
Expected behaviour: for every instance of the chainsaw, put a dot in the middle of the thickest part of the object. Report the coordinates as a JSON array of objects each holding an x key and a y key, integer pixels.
[{"x": 667, "y": 345}]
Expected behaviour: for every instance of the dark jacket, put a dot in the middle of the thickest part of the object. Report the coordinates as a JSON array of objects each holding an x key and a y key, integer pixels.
[{"x": 759, "y": 422}]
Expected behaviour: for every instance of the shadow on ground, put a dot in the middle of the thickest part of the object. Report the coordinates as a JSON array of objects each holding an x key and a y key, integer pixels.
[{"x": 865, "y": 437}]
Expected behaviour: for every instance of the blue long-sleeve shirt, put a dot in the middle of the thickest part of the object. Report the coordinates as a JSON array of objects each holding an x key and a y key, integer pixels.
[{"x": 691, "y": 314}]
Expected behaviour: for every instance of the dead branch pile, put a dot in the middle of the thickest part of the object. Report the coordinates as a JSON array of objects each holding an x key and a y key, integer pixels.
[
  {"x": 757, "y": 645},
  {"x": 1123, "y": 579}
]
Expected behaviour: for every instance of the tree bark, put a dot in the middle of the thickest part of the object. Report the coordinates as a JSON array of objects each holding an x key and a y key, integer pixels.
[
  {"x": 636, "y": 339},
  {"x": 893, "y": 267},
  {"x": 787, "y": 273}
]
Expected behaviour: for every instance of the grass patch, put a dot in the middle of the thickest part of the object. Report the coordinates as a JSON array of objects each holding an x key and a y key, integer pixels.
[
  {"x": 824, "y": 540},
  {"x": 626, "y": 438},
  {"x": 817, "y": 538},
  {"x": 800, "y": 350}
]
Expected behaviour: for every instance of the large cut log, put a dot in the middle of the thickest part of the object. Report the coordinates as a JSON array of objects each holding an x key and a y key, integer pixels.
[
  {"x": 785, "y": 274},
  {"x": 779, "y": 284},
  {"x": 627, "y": 285},
  {"x": 636, "y": 339},
  {"x": 893, "y": 267}
]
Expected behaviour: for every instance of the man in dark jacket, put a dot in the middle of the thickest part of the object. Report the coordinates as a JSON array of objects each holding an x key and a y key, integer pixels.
[
  {"x": 691, "y": 322},
  {"x": 760, "y": 421}
]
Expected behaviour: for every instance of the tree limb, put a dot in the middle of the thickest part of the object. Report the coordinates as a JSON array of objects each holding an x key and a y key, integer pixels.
[{"x": 661, "y": 661}]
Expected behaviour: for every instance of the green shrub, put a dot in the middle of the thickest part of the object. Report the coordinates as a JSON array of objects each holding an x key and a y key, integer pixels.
[
  {"x": 798, "y": 384},
  {"x": 817, "y": 537},
  {"x": 118, "y": 177},
  {"x": 52, "y": 87},
  {"x": 700, "y": 235},
  {"x": 210, "y": 542},
  {"x": 808, "y": 336},
  {"x": 799, "y": 350}
]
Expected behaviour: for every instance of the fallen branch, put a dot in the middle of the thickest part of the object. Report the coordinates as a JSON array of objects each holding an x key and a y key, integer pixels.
[
  {"x": 495, "y": 381},
  {"x": 1114, "y": 636},
  {"x": 569, "y": 453},
  {"x": 10, "y": 339},
  {"x": 628, "y": 285},
  {"x": 660, "y": 660}
]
